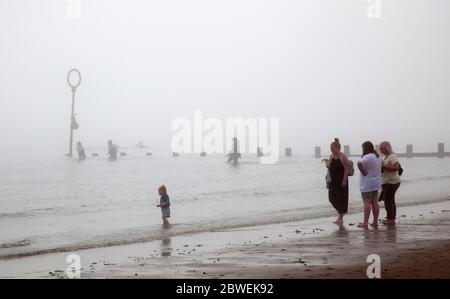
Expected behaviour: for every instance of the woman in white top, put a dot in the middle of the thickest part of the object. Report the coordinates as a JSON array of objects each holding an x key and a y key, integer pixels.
[{"x": 370, "y": 183}]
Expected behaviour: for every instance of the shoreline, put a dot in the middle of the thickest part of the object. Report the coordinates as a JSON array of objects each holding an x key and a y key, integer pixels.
[
  {"x": 180, "y": 230},
  {"x": 314, "y": 248}
]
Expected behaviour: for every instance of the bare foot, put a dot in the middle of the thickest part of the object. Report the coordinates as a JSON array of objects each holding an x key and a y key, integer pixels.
[
  {"x": 363, "y": 225},
  {"x": 388, "y": 222},
  {"x": 374, "y": 225},
  {"x": 339, "y": 221}
]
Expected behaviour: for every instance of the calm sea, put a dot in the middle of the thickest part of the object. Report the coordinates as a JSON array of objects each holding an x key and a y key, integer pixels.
[{"x": 50, "y": 203}]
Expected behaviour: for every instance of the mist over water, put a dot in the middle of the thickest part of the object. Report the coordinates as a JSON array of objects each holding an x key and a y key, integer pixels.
[{"x": 323, "y": 68}]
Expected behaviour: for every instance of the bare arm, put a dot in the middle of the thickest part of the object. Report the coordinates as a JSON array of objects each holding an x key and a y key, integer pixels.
[
  {"x": 344, "y": 160},
  {"x": 392, "y": 168},
  {"x": 163, "y": 205},
  {"x": 362, "y": 169},
  {"x": 327, "y": 162}
]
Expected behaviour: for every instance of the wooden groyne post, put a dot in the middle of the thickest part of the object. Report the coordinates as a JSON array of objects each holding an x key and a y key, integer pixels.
[
  {"x": 318, "y": 153},
  {"x": 441, "y": 150},
  {"x": 409, "y": 150},
  {"x": 288, "y": 152},
  {"x": 347, "y": 150}
]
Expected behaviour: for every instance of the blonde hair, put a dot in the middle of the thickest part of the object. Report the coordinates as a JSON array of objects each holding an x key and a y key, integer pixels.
[
  {"x": 336, "y": 143},
  {"x": 163, "y": 189},
  {"x": 387, "y": 144}
]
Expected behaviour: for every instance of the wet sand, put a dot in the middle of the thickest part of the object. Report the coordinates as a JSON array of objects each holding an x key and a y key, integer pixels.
[{"x": 417, "y": 247}]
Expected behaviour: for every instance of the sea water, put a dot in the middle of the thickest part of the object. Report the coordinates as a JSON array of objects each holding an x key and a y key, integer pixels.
[{"x": 51, "y": 203}]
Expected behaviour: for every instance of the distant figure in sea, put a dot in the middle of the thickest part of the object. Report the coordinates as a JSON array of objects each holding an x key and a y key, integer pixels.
[
  {"x": 338, "y": 166},
  {"x": 112, "y": 150},
  {"x": 164, "y": 204},
  {"x": 80, "y": 151},
  {"x": 234, "y": 155},
  {"x": 370, "y": 183},
  {"x": 390, "y": 179}
]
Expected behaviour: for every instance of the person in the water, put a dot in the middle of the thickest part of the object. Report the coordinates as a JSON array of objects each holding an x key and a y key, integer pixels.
[
  {"x": 112, "y": 150},
  {"x": 164, "y": 204},
  {"x": 234, "y": 155},
  {"x": 80, "y": 150}
]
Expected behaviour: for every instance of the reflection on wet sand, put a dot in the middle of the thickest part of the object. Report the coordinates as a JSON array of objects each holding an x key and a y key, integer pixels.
[
  {"x": 166, "y": 249},
  {"x": 341, "y": 234},
  {"x": 391, "y": 234}
]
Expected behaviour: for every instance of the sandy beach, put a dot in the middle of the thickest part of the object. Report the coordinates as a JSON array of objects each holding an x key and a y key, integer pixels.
[
  {"x": 417, "y": 247},
  {"x": 221, "y": 140}
]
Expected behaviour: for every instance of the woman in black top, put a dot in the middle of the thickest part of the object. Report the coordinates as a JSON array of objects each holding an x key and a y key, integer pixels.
[{"x": 338, "y": 191}]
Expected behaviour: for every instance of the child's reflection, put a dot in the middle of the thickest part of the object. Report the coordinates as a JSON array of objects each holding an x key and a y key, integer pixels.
[{"x": 166, "y": 249}]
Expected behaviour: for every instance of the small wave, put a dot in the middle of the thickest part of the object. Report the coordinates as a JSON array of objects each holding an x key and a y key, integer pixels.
[
  {"x": 426, "y": 178},
  {"x": 20, "y": 243},
  {"x": 13, "y": 214},
  {"x": 143, "y": 235},
  {"x": 27, "y": 213},
  {"x": 50, "y": 211}
]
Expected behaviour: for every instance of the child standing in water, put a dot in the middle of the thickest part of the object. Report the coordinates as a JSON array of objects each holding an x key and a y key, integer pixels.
[{"x": 164, "y": 204}]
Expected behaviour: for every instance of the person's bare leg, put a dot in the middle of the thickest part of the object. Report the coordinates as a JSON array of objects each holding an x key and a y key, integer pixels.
[
  {"x": 375, "y": 211},
  {"x": 340, "y": 219},
  {"x": 388, "y": 222},
  {"x": 367, "y": 208}
]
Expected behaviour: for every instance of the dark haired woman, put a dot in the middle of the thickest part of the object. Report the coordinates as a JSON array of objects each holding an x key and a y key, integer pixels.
[
  {"x": 370, "y": 183},
  {"x": 338, "y": 189}
]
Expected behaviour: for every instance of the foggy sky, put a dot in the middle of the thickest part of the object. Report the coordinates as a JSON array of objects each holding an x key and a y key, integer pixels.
[{"x": 322, "y": 66}]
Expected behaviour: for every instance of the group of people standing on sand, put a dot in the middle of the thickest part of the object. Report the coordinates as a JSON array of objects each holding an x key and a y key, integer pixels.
[{"x": 377, "y": 174}]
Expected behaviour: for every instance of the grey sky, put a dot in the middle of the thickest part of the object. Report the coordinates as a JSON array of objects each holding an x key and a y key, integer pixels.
[{"x": 322, "y": 67}]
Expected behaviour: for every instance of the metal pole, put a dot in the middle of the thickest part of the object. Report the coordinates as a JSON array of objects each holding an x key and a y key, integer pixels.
[
  {"x": 74, "y": 89},
  {"x": 71, "y": 123}
]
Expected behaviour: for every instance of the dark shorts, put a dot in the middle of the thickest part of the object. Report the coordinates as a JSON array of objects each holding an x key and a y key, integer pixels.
[
  {"x": 369, "y": 195},
  {"x": 165, "y": 212}
]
